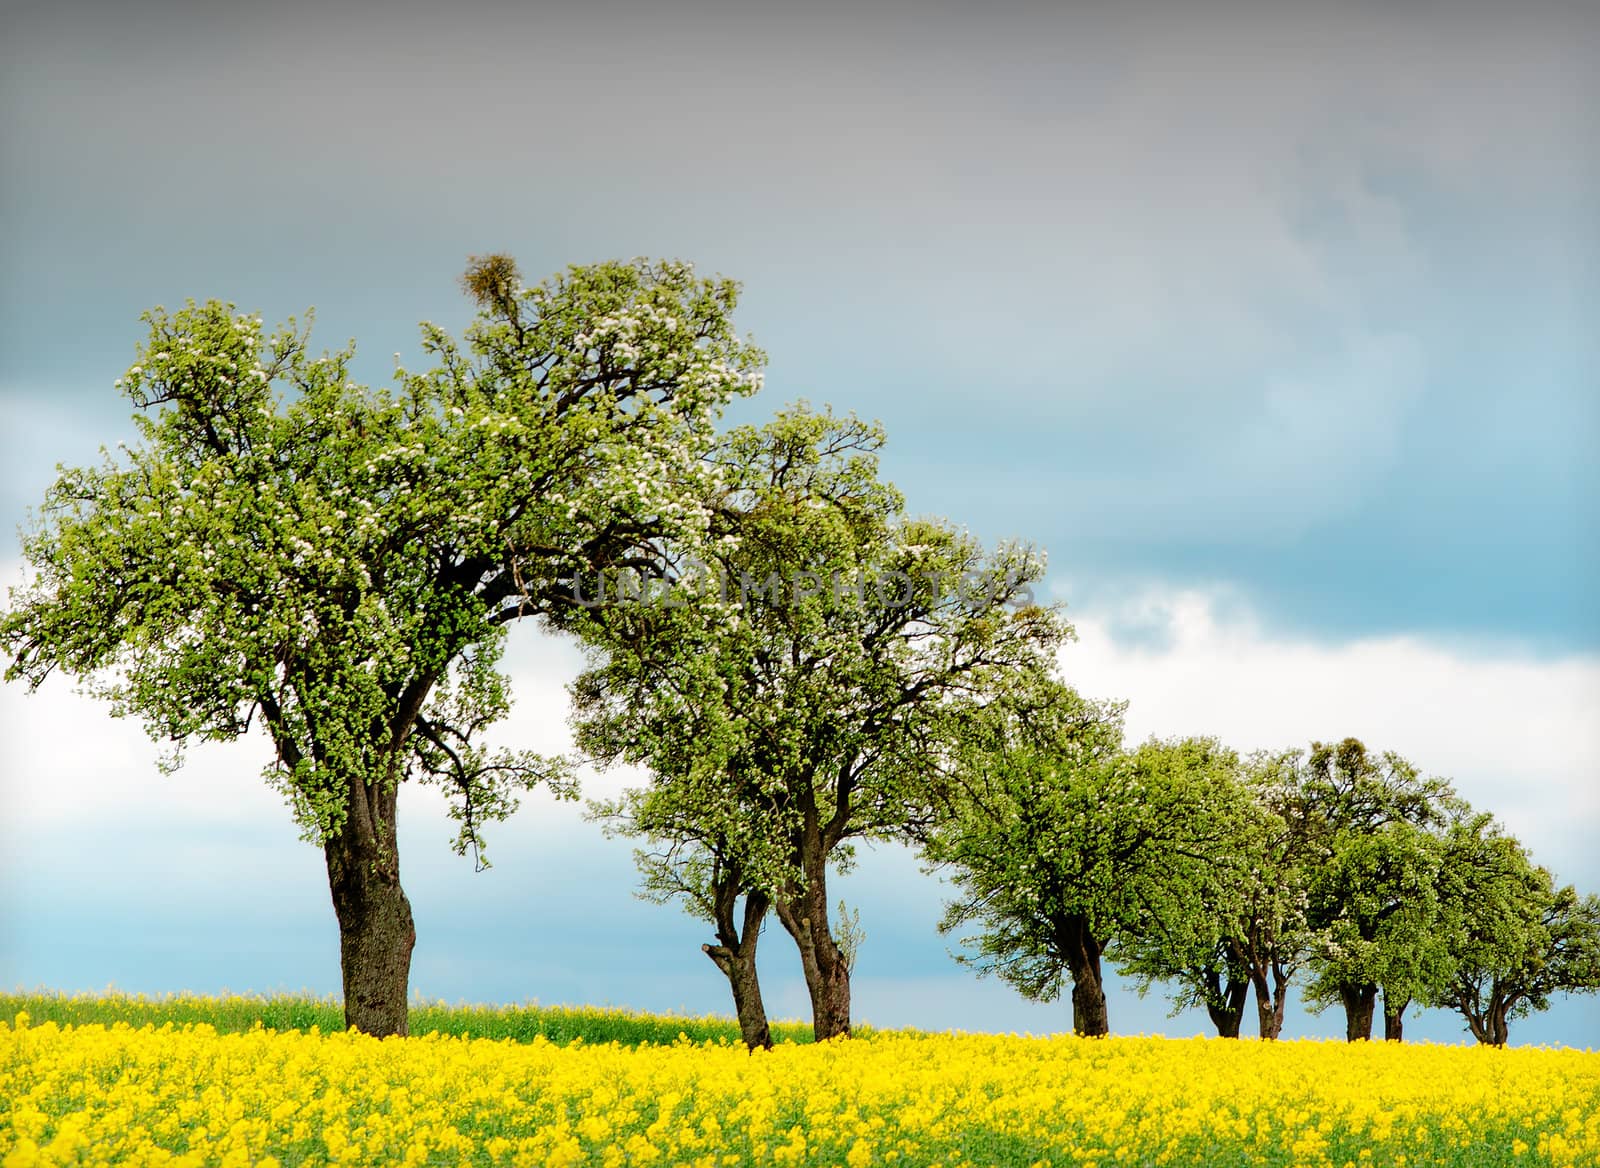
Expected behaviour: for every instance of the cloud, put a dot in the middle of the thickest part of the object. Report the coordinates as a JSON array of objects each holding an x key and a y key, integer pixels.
[
  {"x": 1157, "y": 279},
  {"x": 1516, "y": 733}
]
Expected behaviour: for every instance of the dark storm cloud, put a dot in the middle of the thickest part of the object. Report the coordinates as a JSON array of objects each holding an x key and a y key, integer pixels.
[{"x": 1202, "y": 291}]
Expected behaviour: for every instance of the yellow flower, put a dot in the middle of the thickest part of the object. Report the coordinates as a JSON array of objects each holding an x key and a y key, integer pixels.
[{"x": 186, "y": 1094}]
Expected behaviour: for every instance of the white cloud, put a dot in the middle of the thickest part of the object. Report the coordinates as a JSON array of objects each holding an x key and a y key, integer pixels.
[
  {"x": 1518, "y": 734},
  {"x": 64, "y": 759}
]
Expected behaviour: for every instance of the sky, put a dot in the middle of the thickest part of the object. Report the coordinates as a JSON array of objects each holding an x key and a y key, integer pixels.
[{"x": 1271, "y": 324}]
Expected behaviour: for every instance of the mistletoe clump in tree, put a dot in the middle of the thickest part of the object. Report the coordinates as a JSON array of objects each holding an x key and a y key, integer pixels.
[
  {"x": 340, "y": 563},
  {"x": 800, "y": 692}
]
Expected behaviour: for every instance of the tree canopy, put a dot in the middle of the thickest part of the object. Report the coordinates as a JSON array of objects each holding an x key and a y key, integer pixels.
[
  {"x": 1060, "y": 841},
  {"x": 801, "y": 697},
  {"x": 337, "y": 563},
  {"x": 1511, "y": 938}
]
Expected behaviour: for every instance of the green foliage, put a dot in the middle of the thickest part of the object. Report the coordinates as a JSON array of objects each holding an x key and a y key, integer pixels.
[
  {"x": 1376, "y": 898},
  {"x": 1235, "y": 919},
  {"x": 1511, "y": 937},
  {"x": 340, "y": 561},
  {"x": 804, "y": 682},
  {"x": 1380, "y": 878},
  {"x": 1062, "y": 839},
  {"x": 848, "y": 933},
  {"x": 1373, "y": 828}
]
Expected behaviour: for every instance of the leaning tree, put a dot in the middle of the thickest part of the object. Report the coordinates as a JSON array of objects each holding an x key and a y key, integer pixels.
[
  {"x": 707, "y": 853},
  {"x": 1234, "y": 923},
  {"x": 1061, "y": 843},
  {"x": 338, "y": 564}
]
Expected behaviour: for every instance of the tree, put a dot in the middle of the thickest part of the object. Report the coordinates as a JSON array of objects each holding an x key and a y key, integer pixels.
[
  {"x": 1513, "y": 938},
  {"x": 800, "y": 685},
  {"x": 1204, "y": 969},
  {"x": 1062, "y": 843},
  {"x": 1377, "y": 900},
  {"x": 341, "y": 563},
  {"x": 1270, "y": 933},
  {"x": 1237, "y": 924},
  {"x": 712, "y": 864},
  {"x": 1372, "y": 825}
]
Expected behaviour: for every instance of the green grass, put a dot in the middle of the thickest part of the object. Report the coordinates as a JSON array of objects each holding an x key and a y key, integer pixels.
[{"x": 235, "y": 1014}]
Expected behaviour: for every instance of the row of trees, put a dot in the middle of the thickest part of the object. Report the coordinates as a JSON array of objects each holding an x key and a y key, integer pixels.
[
  {"x": 796, "y": 662},
  {"x": 780, "y": 729},
  {"x": 1225, "y": 878}
]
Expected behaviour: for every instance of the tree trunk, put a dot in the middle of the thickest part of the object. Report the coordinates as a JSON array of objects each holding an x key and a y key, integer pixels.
[
  {"x": 1393, "y": 1019},
  {"x": 1360, "y": 1001},
  {"x": 1265, "y": 1021},
  {"x": 1225, "y": 1004},
  {"x": 1270, "y": 1002},
  {"x": 1082, "y": 953},
  {"x": 1089, "y": 1017},
  {"x": 376, "y": 930},
  {"x": 1280, "y": 998},
  {"x": 1488, "y": 1020},
  {"x": 1476, "y": 1026},
  {"x": 1500, "y": 1029},
  {"x": 1499, "y": 1019},
  {"x": 827, "y": 976},
  {"x": 804, "y": 914},
  {"x": 735, "y": 955}
]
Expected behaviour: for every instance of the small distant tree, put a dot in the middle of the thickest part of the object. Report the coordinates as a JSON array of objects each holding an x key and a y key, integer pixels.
[
  {"x": 1200, "y": 966},
  {"x": 803, "y": 678},
  {"x": 1378, "y": 903},
  {"x": 1062, "y": 844},
  {"x": 1512, "y": 938},
  {"x": 1373, "y": 828},
  {"x": 1236, "y": 923},
  {"x": 338, "y": 564},
  {"x": 704, "y": 854},
  {"x": 1270, "y": 933}
]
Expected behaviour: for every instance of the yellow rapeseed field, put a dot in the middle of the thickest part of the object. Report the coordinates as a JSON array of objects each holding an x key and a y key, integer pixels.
[{"x": 97, "y": 1094}]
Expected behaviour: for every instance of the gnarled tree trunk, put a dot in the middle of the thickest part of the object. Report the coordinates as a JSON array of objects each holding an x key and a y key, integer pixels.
[
  {"x": 804, "y": 914},
  {"x": 1360, "y": 1001},
  {"x": 1225, "y": 1003},
  {"x": 827, "y": 974},
  {"x": 1270, "y": 1002},
  {"x": 735, "y": 955},
  {"x": 1487, "y": 1016},
  {"x": 1491, "y": 1024},
  {"x": 376, "y": 930},
  {"x": 1081, "y": 951},
  {"x": 1499, "y": 1026},
  {"x": 1393, "y": 1019}
]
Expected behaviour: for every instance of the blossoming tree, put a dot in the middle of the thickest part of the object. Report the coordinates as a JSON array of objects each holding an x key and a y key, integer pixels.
[
  {"x": 799, "y": 694},
  {"x": 338, "y": 564}
]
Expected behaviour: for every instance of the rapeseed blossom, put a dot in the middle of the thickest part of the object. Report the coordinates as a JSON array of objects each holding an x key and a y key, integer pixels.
[{"x": 189, "y": 1095}]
